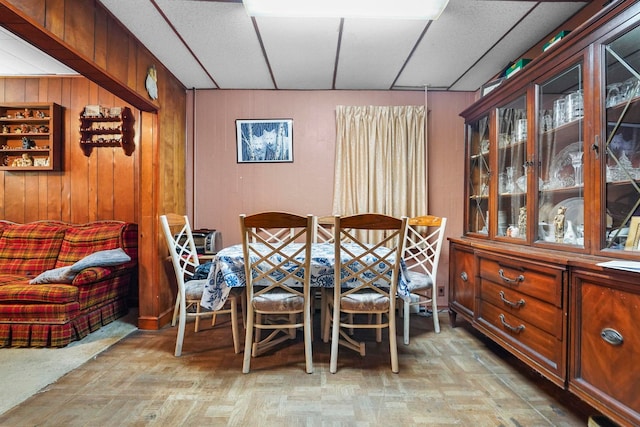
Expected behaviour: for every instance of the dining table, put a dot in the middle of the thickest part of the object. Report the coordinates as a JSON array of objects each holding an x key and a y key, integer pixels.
[{"x": 228, "y": 271}]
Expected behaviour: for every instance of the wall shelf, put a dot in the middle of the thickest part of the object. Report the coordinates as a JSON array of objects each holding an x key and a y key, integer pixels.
[
  {"x": 30, "y": 137},
  {"x": 108, "y": 129}
]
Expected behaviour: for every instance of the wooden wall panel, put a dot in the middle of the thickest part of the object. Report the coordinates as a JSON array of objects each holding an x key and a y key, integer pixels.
[{"x": 86, "y": 189}]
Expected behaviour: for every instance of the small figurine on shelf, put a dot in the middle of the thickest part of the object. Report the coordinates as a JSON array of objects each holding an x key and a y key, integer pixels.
[
  {"x": 27, "y": 160},
  {"x": 6, "y": 129},
  {"x": 558, "y": 222},
  {"x": 24, "y": 128},
  {"x": 27, "y": 113},
  {"x": 40, "y": 115},
  {"x": 27, "y": 143},
  {"x": 522, "y": 221}
]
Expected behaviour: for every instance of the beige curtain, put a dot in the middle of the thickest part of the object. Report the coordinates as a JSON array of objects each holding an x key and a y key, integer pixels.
[{"x": 381, "y": 161}]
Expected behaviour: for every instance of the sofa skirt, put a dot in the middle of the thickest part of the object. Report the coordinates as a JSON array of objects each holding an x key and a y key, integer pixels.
[{"x": 51, "y": 334}]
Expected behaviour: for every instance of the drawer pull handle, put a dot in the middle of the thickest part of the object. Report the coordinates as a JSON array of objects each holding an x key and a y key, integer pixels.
[
  {"x": 611, "y": 336},
  {"x": 516, "y": 304},
  {"x": 520, "y": 278},
  {"x": 464, "y": 276},
  {"x": 516, "y": 329}
]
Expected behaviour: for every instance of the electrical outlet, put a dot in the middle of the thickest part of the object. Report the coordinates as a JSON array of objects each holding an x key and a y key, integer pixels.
[{"x": 440, "y": 291}]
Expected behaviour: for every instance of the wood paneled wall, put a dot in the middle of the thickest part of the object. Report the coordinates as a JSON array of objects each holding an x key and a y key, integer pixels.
[
  {"x": 101, "y": 186},
  {"x": 84, "y": 36}
]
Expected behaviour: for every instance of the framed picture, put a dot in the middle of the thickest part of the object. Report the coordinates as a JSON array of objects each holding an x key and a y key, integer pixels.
[
  {"x": 633, "y": 239},
  {"x": 264, "y": 141},
  {"x": 489, "y": 86}
]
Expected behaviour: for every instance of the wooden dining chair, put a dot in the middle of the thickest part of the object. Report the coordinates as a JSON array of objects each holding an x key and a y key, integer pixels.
[
  {"x": 278, "y": 282},
  {"x": 184, "y": 257},
  {"x": 425, "y": 235},
  {"x": 365, "y": 281}
]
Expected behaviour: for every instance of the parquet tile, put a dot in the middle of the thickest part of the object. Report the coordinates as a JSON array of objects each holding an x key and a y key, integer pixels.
[{"x": 455, "y": 378}]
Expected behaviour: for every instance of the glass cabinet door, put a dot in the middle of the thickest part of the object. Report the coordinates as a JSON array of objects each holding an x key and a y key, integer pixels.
[
  {"x": 561, "y": 159},
  {"x": 622, "y": 146},
  {"x": 512, "y": 178},
  {"x": 478, "y": 177}
]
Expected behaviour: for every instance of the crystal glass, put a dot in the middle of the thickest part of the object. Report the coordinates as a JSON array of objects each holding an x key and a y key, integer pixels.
[{"x": 576, "y": 162}]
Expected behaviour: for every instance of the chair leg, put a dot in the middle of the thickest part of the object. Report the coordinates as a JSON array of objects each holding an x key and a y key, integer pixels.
[
  {"x": 308, "y": 336},
  {"x": 213, "y": 319},
  {"x": 197, "y": 317},
  {"x": 335, "y": 336},
  {"x": 405, "y": 311},
  {"x": 326, "y": 327},
  {"x": 434, "y": 308},
  {"x": 234, "y": 325},
  {"x": 393, "y": 344},
  {"x": 181, "y": 326},
  {"x": 248, "y": 340},
  {"x": 379, "y": 330},
  {"x": 176, "y": 310}
]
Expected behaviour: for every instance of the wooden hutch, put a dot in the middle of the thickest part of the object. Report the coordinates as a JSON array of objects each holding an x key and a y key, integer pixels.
[{"x": 553, "y": 192}]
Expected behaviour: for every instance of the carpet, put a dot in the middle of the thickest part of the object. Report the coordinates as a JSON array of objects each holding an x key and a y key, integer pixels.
[{"x": 27, "y": 371}]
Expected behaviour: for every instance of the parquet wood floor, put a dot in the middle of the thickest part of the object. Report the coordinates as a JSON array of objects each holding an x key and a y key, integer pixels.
[{"x": 453, "y": 378}]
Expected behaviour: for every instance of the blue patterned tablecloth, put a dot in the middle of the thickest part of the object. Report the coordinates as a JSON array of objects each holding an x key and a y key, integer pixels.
[{"x": 227, "y": 271}]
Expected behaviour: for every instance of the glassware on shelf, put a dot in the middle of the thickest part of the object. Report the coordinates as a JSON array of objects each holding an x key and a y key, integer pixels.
[
  {"x": 521, "y": 130},
  {"x": 558, "y": 112},
  {"x": 576, "y": 162},
  {"x": 511, "y": 183},
  {"x": 573, "y": 105}
]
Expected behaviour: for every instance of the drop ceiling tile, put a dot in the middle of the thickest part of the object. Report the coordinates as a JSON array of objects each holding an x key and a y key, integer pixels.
[
  {"x": 301, "y": 52},
  {"x": 544, "y": 19},
  {"x": 222, "y": 37},
  {"x": 19, "y": 58},
  {"x": 373, "y": 51},
  {"x": 154, "y": 32},
  {"x": 454, "y": 42}
]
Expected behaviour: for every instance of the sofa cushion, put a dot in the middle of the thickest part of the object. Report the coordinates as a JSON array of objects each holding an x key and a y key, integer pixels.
[
  {"x": 25, "y": 294},
  {"x": 82, "y": 240},
  {"x": 29, "y": 249}
]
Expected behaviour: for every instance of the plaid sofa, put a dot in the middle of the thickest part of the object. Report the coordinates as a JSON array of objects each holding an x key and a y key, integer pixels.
[{"x": 54, "y": 314}]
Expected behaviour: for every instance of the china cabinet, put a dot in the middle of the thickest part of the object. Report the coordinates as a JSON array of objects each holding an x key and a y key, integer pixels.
[
  {"x": 552, "y": 192},
  {"x": 30, "y": 137}
]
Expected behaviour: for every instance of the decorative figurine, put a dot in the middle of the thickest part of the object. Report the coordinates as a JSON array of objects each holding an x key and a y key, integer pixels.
[
  {"x": 558, "y": 222},
  {"x": 27, "y": 143},
  {"x": 6, "y": 129},
  {"x": 522, "y": 221}
]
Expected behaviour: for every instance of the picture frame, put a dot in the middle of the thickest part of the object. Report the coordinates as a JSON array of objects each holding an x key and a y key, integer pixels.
[
  {"x": 633, "y": 238},
  {"x": 489, "y": 86},
  {"x": 264, "y": 140}
]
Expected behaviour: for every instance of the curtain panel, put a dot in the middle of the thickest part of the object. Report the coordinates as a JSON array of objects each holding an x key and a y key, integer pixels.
[{"x": 381, "y": 160}]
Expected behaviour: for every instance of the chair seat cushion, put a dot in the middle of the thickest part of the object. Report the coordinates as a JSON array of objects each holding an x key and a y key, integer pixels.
[
  {"x": 194, "y": 288},
  {"x": 418, "y": 281},
  {"x": 365, "y": 301},
  {"x": 278, "y": 302}
]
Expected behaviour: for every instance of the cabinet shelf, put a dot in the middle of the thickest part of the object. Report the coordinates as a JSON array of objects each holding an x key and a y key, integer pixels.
[{"x": 39, "y": 126}]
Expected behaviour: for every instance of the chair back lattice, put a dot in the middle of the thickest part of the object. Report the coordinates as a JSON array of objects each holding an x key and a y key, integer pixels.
[
  {"x": 425, "y": 235},
  {"x": 182, "y": 247}
]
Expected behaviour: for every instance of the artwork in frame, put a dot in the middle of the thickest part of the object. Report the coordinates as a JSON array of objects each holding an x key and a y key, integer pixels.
[{"x": 264, "y": 140}]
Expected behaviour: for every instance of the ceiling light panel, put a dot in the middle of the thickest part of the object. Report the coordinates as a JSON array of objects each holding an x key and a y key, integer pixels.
[
  {"x": 396, "y": 9},
  {"x": 543, "y": 19},
  {"x": 312, "y": 42},
  {"x": 373, "y": 51},
  {"x": 449, "y": 44},
  {"x": 160, "y": 39}
]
